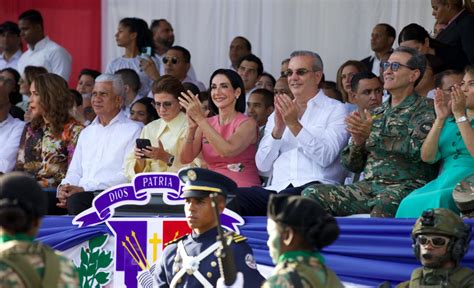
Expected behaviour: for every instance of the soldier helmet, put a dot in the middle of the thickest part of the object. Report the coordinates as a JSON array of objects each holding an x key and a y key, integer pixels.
[{"x": 444, "y": 222}]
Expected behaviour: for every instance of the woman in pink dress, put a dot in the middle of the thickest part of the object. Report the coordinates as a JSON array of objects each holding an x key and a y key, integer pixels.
[{"x": 228, "y": 140}]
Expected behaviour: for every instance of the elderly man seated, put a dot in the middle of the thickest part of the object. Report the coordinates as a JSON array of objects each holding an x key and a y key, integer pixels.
[{"x": 98, "y": 162}]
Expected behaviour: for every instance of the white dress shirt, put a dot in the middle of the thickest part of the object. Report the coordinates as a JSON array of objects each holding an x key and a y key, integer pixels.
[
  {"x": 313, "y": 155},
  {"x": 99, "y": 158},
  {"x": 49, "y": 55},
  {"x": 12, "y": 63},
  {"x": 10, "y": 135}
]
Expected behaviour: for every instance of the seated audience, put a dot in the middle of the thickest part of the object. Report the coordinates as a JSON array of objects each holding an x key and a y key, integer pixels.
[
  {"x": 23, "y": 206},
  {"x": 9, "y": 78},
  {"x": 86, "y": 81},
  {"x": 449, "y": 142},
  {"x": 250, "y": 69},
  {"x": 133, "y": 35},
  {"x": 143, "y": 110},
  {"x": 266, "y": 81},
  {"x": 29, "y": 74},
  {"x": 303, "y": 137},
  {"x": 228, "y": 140},
  {"x": 343, "y": 79},
  {"x": 77, "y": 110},
  {"x": 445, "y": 81},
  {"x": 260, "y": 106},
  {"x": 330, "y": 89},
  {"x": 427, "y": 84},
  {"x": 131, "y": 84},
  {"x": 457, "y": 33},
  {"x": 415, "y": 36},
  {"x": 166, "y": 134},
  {"x": 177, "y": 62},
  {"x": 385, "y": 146},
  {"x": 49, "y": 140},
  {"x": 110, "y": 134},
  {"x": 10, "y": 133},
  {"x": 381, "y": 41},
  {"x": 282, "y": 87},
  {"x": 367, "y": 90},
  {"x": 284, "y": 67}
]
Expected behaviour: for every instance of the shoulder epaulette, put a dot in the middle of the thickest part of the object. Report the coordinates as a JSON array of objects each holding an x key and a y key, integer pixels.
[
  {"x": 238, "y": 238},
  {"x": 176, "y": 240}
]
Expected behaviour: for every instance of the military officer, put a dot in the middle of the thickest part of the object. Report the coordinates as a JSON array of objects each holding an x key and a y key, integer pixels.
[
  {"x": 190, "y": 261},
  {"x": 440, "y": 241},
  {"x": 24, "y": 262},
  {"x": 385, "y": 146}
]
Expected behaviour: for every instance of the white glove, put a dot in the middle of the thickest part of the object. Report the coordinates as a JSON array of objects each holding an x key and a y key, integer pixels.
[
  {"x": 145, "y": 279},
  {"x": 239, "y": 282}
]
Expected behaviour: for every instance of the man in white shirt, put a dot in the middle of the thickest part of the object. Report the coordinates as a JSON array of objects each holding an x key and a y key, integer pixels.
[
  {"x": 11, "y": 43},
  {"x": 98, "y": 161},
  {"x": 41, "y": 50},
  {"x": 10, "y": 134},
  {"x": 303, "y": 137}
]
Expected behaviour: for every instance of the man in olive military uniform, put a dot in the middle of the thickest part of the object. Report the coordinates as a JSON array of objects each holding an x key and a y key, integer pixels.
[
  {"x": 190, "y": 261},
  {"x": 386, "y": 146},
  {"x": 440, "y": 241},
  {"x": 23, "y": 261},
  {"x": 463, "y": 196}
]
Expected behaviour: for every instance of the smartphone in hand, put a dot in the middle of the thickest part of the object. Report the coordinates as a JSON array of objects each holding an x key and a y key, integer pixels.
[{"x": 142, "y": 144}]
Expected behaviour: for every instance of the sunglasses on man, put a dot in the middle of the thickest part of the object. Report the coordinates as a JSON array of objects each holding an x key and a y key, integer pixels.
[
  {"x": 436, "y": 241},
  {"x": 394, "y": 66},
  {"x": 173, "y": 60}
]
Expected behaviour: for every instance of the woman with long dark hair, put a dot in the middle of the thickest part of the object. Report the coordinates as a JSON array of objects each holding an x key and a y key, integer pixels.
[{"x": 228, "y": 140}]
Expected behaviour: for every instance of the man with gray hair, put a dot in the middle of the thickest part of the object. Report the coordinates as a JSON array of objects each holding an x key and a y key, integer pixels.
[
  {"x": 99, "y": 157},
  {"x": 302, "y": 139},
  {"x": 385, "y": 145}
]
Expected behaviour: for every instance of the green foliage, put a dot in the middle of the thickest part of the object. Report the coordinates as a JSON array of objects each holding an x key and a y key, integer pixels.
[{"x": 94, "y": 259}]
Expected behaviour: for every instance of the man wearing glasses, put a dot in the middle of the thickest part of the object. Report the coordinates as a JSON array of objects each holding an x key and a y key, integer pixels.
[
  {"x": 303, "y": 137},
  {"x": 440, "y": 241},
  {"x": 177, "y": 62},
  {"x": 385, "y": 146}
]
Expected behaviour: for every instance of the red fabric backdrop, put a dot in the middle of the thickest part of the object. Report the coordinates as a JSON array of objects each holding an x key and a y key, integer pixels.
[{"x": 74, "y": 24}]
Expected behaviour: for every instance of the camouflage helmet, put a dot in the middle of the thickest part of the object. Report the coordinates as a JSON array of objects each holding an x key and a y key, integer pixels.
[
  {"x": 439, "y": 221},
  {"x": 445, "y": 222}
]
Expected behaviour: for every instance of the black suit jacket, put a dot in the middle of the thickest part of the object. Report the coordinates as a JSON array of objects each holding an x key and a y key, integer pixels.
[
  {"x": 368, "y": 62},
  {"x": 460, "y": 36}
]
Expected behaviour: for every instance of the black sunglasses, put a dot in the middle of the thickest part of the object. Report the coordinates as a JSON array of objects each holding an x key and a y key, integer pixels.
[
  {"x": 299, "y": 72},
  {"x": 394, "y": 66},
  {"x": 173, "y": 60}
]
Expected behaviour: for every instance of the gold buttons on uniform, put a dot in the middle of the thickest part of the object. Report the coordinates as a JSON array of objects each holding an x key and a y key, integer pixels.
[
  {"x": 213, "y": 264},
  {"x": 209, "y": 274}
]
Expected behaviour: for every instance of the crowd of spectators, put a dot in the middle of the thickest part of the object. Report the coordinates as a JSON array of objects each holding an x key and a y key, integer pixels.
[{"x": 395, "y": 130}]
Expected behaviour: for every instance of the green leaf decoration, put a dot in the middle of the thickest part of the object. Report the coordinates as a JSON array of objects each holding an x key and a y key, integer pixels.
[
  {"x": 94, "y": 256},
  {"x": 101, "y": 277},
  {"x": 84, "y": 256},
  {"x": 105, "y": 259},
  {"x": 97, "y": 241},
  {"x": 91, "y": 269}
]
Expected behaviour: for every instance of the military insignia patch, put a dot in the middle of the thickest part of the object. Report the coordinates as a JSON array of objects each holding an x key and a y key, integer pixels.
[
  {"x": 250, "y": 261},
  {"x": 192, "y": 175}
]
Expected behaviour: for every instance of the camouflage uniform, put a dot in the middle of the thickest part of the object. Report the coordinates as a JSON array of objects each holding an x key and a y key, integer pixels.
[
  {"x": 443, "y": 222},
  {"x": 390, "y": 161},
  {"x": 34, "y": 254},
  {"x": 304, "y": 268},
  {"x": 463, "y": 195}
]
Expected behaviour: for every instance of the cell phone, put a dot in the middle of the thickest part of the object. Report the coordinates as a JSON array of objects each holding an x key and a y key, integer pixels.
[
  {"x": 142, "y": 143},
  {"x": 146, "y": 52}
]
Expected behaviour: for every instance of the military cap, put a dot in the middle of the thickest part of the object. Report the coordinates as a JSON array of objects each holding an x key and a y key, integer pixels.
[
  {"x": 10, "y": 27},
  {"x": 22, "y": 190},
  {"x": 201, "y": 182},
  {"x": 463, "y": 194}
]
